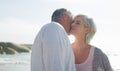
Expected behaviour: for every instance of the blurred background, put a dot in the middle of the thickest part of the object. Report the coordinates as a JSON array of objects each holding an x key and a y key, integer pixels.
[{"x": 20, "y": 21}]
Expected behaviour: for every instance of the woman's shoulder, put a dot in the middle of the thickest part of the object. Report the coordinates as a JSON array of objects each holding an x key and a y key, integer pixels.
[
  {"x": 98, "y": 51},
  {"x": 101, "y": 60},
  {"x": 99, "y": 54}
]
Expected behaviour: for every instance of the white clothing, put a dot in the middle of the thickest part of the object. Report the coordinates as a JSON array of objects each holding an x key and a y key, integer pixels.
[
  {"x": 87, "y": 65},
  {"x": 51, "y": 50}
]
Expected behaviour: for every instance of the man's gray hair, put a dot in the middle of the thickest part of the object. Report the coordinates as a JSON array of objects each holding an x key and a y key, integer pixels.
[
  {"x": 89, "y": 23},
  {"x": 58, "y": 13}
]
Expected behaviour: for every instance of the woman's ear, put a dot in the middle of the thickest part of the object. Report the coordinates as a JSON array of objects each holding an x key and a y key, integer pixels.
[{"x": 88, "y": 29}]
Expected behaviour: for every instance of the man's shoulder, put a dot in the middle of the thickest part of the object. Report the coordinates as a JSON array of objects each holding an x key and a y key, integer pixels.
[{"x": 52, "y": 25}]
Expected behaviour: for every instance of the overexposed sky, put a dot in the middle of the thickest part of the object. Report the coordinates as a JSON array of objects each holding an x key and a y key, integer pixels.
[{"x": 20, "y": 20}]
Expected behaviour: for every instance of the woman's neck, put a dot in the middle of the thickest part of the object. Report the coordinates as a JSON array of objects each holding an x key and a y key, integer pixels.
[{"x": 80, "y": 44}]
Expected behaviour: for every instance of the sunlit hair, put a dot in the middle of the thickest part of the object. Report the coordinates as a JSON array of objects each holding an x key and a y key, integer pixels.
[
  {"x": 57, "y": 14},
  {"x": 88, "y": 22}
]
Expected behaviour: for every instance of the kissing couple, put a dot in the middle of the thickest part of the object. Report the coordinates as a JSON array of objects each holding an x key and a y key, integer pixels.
[{"x": 52, "y": 50}]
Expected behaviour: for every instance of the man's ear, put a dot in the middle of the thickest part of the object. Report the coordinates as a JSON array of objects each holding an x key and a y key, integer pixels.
[{"x": 64, "y": 16}]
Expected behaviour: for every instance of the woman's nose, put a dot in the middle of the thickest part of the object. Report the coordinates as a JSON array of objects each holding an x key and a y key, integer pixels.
[{"x": 73, "y": 25}]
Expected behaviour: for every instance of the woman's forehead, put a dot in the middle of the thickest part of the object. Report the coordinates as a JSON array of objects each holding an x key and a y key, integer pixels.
[{"x": 78, "y": 18}]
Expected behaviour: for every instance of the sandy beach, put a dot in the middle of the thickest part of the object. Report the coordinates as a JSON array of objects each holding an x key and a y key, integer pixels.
[
  {"x": 14, "y": 67},
  {"x": 15, "y": 62},
  {"x": 22, "y": 62}
]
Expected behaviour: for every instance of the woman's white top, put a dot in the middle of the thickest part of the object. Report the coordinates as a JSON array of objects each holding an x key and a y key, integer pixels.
[
  {"x": 87, "y": 65},
  {"x": 51, "y": 50}
]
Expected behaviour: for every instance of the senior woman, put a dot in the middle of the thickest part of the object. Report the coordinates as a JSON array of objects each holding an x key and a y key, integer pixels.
[{"x": 87, "y": 57}]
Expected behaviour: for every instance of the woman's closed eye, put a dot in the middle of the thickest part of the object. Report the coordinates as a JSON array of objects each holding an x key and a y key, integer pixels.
[{"x": 78, "y": 22}]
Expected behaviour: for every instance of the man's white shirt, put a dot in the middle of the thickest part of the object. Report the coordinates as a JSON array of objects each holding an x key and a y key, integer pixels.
[{"x": 51, "y": 50}]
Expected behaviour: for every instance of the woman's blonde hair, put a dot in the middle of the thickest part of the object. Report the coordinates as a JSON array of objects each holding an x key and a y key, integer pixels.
[{"x": 89, "y": 23}]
